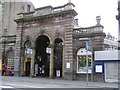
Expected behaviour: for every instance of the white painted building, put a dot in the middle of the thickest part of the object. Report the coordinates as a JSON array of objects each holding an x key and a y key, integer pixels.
[{"x": 110, "y": 43}]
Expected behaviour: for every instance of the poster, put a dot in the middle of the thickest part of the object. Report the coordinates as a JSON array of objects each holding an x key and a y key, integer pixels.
[
  {"x": 98, "y": 69},
  {"x": 67, "y": 65}
]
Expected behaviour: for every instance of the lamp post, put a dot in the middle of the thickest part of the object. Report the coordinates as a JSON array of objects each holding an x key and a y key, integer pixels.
[
  {"x": 4, "y": 44},
  {"x": 88, "y": 48}
]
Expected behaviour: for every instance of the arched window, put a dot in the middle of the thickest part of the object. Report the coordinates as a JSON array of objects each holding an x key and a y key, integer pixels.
[
  {"x": 81, "y": 61},
  {"x": 28, "y": 50},
  {"x": 10, "y": 59}
]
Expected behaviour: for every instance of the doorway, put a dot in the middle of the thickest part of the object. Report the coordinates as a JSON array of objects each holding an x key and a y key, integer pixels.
[
  {"x": 10, "y": 59},
  {"x": 42, "y": 58},
  {"x": 28, "y": 64},
  {"x": 27, "y": 57},
  {"x": 58, "y": 56}
]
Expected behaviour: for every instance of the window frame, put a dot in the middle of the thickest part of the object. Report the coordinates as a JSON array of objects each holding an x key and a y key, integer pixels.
[{"x": 89, "y": 55}]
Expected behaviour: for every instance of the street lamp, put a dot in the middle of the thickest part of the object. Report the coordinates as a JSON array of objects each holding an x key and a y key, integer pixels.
[
  {"x": 88, "y": 45},
  {"x": 4, "y": 43}
]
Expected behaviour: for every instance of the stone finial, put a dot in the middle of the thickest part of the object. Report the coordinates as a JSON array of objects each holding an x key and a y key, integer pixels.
[
  {"x": 69, "y": 1},
  {"x": 98, "y": 18}
]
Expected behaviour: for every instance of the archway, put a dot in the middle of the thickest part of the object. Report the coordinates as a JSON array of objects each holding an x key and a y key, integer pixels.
[
  {"x": 58, "y": 56},
  {"x": 27, "y": 57},
  {"x": 42, "y": 58},
  {"x": 81, "y": 61},
  {"x": 10, "y": 58}
]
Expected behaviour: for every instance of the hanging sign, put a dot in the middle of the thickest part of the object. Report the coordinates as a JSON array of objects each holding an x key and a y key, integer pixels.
[
  {"x": 48, "y": 50},
  {"x": 29, "y": 51}
]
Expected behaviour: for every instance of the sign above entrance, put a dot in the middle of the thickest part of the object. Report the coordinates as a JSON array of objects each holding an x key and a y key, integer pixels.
[
  {"x": 98, "y": 69},
  {"x": 29, "y": 51},
  {"x": 67, "y": 65},
  {"x": 48, "y": 50}
]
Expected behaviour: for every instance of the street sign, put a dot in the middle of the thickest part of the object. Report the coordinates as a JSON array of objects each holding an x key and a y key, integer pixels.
[
  {"x": 48, "y": 50},
  {"x": 88, "y": 46},
  {"x": 98, "y": 67},
  {"x": 29, "y": 51}
]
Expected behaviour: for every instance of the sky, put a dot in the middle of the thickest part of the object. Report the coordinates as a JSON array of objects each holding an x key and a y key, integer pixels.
[{"x": 88, "y": 10}]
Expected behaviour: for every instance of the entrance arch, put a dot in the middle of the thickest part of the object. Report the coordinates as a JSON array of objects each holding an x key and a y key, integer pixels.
[
  {"x": 81, "y": 61},
  {"x": 42, "y": 58},
  {"x": 10, "y": 58},
  {"x": 58, "y": 57},
  {"x": 27, "y": 57}
]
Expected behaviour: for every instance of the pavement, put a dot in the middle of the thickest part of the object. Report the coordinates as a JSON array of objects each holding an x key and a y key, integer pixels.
[{"x": 62, "y": 82}]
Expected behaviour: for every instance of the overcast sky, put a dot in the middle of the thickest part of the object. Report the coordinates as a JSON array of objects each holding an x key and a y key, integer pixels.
[{"x": 88, "y": 10}]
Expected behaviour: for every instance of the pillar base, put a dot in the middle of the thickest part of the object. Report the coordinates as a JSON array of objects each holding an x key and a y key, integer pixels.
[
  {"x": 69, "y": 76},
  {"x": 16, "y": 73}
]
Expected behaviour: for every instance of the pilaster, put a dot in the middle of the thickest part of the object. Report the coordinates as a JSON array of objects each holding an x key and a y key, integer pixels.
[
  {"x": 51, "y": 63},
  {"x": 17, "y": 62},
  {"x": 68, "y": 61},
  {"x": 32, "y": 62}
]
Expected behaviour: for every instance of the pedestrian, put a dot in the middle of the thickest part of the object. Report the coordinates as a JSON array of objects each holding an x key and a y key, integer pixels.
[
  {"x": 4, "y": 69},
  {"x": 43, "y": 71}
]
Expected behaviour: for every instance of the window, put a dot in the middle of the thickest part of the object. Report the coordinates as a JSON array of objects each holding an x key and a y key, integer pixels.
[
  {"x": 81, "y": 61},
  {"x": 28, "y": 8}
]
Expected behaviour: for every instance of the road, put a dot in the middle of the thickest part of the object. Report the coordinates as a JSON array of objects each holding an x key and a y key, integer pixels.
[{"x": 23, "y": 83}]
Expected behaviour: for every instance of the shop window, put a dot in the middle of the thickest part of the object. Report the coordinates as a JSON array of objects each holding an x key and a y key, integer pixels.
[
  {"x": 81, "y": 67},
  {"x": 81, "y": 61}
]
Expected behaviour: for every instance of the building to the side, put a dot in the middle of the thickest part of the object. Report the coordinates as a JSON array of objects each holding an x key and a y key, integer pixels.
[
  {"x": 110, "y": 42},
  {"x": 1, "y": 17},
  {"x": 107, "y": 64},
  {"x": 8, "y": 12},
  {"x": 1, "y": 14}
]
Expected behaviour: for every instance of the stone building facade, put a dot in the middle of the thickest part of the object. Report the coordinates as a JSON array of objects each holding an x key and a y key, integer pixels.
[{"x": 48, "y": 43}]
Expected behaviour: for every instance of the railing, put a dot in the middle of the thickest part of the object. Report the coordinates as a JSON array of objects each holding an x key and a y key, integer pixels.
[
  {"x": 68, "y": 6},
  {"x": 46, "y": 10},
  {"x": 95, "y": 29}
]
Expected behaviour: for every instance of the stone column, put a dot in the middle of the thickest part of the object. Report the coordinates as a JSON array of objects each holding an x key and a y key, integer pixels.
[
  {"x": 32, "y": 62},
  {"x": 22, "y": 62},
  {"x": 68, "y": 62},
  {"x": 51, "y": 63},
  {"x": 63, "y": 62}
]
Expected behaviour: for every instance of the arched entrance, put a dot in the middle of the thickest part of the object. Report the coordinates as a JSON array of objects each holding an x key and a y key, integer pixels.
[
  {"x": 10, "y": 58},
  {"x": 81, "y": 61},
  {"x": 27, "y": 57},
  {"x": 42, "y": 58},
  {"x": 58, "y": 56}
]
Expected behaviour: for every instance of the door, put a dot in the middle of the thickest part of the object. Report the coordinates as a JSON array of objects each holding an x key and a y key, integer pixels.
[{"x": 28, "y": 68}]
